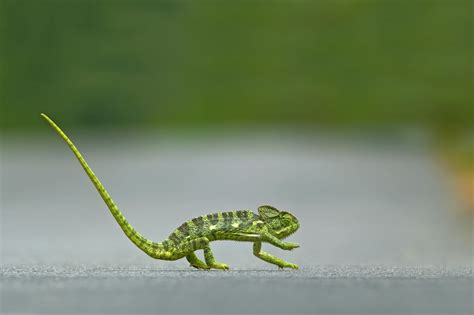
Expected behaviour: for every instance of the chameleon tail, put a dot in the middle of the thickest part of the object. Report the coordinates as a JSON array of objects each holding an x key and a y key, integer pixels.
[{"x": 152, "y": 249}]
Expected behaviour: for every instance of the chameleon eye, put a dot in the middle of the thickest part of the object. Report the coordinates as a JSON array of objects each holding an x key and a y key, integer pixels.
[{"x": 288, "y": 216}]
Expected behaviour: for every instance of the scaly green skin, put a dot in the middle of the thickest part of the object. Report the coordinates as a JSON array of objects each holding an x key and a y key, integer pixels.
[{"x": 270, "y": 226}]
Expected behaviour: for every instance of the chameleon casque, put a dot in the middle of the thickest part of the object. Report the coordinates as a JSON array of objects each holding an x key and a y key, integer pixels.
[{"x": 270, "y": 225}]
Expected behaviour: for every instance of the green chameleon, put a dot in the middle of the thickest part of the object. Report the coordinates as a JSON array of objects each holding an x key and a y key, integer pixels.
[{"x": 270, "y": 226}]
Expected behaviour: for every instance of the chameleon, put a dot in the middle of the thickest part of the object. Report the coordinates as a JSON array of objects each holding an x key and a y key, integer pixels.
[{"x": 270, "y": 225}]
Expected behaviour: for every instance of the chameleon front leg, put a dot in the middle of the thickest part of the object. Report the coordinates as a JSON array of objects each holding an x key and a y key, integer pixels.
[
  {"x": 267, "y": 237},
  {"x": 257, "y": 251},
  {"x": 195, "y": 262}
]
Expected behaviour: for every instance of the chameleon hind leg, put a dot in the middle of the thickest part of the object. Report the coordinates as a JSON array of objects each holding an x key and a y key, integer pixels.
[
  {"x": 195, "y": 262},
  {"x": 210, "y": 261},
  {"x": 257, "y": 251},
  {"x": 187, "y": 249}
]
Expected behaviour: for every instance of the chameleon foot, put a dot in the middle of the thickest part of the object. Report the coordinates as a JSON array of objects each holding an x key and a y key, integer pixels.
[
  {"x": 217, "y": 265},
  {"x": 289, "y": 265}
]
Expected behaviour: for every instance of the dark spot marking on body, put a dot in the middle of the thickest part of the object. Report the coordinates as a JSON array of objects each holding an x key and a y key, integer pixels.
[
  {"x": 174, "y": 238},
  {"x": 184, "y": 228},
  {"x": 133, "y": 232},
  {"x": 142, "y": 242},
  {"x": 242, "y": 215},
  {"x": 227, "y": 218},
  {"x": 215, "y": 218},
  {"x": 225, "y": 222},
  {"x": 198, "y": 222}
]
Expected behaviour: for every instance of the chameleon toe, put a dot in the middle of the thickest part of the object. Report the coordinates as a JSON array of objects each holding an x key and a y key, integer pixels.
[{"x": 219, "y": 266}]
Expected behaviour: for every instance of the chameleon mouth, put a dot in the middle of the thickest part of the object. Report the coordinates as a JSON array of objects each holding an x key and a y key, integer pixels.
[{"x": 286, "y": 232}]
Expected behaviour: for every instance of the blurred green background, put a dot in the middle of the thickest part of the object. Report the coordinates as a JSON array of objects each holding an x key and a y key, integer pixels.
[{"x": 339, "y": 64}]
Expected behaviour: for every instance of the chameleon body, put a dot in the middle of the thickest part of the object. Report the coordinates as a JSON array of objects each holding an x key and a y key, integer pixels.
[{"x": 270, "y": 225}]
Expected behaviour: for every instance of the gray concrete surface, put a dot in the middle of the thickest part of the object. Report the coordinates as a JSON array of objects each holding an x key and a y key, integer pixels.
[
  {"x": 380, "y": 230},
  {"x": 322, "y": 289}
]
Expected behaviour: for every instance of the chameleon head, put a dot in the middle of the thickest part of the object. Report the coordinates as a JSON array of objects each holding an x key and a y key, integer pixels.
[{"x": 281, "y": 224}]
